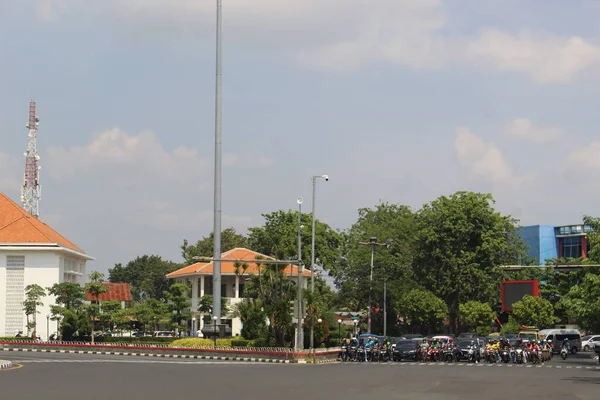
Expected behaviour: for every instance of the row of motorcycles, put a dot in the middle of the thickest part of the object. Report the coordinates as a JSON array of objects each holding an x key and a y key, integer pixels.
[{"x": 384, "y": 352}]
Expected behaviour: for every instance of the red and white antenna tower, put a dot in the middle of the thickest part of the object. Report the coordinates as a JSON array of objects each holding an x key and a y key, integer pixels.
[{"x": 31, "y": 191}]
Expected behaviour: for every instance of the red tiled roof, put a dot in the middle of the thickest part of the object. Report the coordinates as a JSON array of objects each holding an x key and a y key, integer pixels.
[
  {"x": 18, "y": 226},
  {"x": 229, "y": 267},
  {"x": 116, "y": 292}
]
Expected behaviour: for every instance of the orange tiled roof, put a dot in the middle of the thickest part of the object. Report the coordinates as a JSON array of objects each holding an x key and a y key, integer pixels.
[
  {"x": 116, "y": 291},
  {"x": 229, "y": 267},
  {"x": 18, "y": 226}
]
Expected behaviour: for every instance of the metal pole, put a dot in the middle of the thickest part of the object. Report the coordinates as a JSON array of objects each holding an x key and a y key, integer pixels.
[
  {"x": 47, "y": 328},
  {"x": 384, "y": 306},
  {"x": 217, "y": 187},
  {"x": 370, "y": 289},
  {"x": 312, "y": 264},
  {"x": 299, "y": 344}
]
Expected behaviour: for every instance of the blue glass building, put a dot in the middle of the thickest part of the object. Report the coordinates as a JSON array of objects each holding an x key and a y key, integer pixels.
[{"x": 546, "y": 242}]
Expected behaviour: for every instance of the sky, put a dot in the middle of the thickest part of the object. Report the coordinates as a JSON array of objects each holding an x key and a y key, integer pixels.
[{"x": 396, "y": 100}]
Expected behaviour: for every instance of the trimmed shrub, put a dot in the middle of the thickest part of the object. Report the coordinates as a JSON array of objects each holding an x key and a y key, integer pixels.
[
  {"x": 259, "y": 343},
  {"x": 240, "y": 343},
  {"x": 134, "y": 340},
  {"x": 200, "y": 343}
]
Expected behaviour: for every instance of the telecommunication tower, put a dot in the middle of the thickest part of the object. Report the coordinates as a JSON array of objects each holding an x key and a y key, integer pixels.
[{"x": 31, "y": 191}]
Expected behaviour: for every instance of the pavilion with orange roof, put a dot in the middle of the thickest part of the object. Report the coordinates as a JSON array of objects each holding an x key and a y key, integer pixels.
[{"x": 199, "y": 276}]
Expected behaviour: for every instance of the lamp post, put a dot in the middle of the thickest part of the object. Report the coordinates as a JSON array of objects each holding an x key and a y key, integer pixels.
[
  {"x": 48, "y": 328},
  {"x": 355, "y": 327},
  {"x": 215, "y": 318},
  {"x": 340, "y": 330},
  {"x": 312, "y": 252},
  {"x": 372, "y": 243},
  {"x": 193, "y": 326},
  {"x": 299, "y": 341}
]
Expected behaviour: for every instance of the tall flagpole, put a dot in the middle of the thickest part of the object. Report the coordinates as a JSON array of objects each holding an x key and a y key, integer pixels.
[{"x": 217, "y": 187}]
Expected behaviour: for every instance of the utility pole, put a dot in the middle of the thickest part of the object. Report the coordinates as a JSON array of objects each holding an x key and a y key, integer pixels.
[
  {"x": 299, "y": 336},
  {"x": 372, "y": 243},
  {"x": 218, "y": 179}
]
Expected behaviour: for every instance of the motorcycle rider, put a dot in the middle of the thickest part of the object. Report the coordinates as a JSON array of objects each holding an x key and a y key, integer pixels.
[
  {"x": 370, "y": 343},
  {"x": 565, "y": 344}
]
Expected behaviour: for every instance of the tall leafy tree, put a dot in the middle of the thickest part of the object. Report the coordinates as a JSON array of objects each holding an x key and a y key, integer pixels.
[
  {"x": 253, "y": 317},
  {"x": 33, "y": 299},
  {"x": 388, "y": 223},
  {"x": 583, "y": 303},
  {"x": 461, "y": 242},
  {"x": 230, "y": 239},
  {"x": 146, "y": 275},
  {"x": 152, "y": 313},
  {"x": 95, "y": 287},
  {"x": 278, "y": 238}
]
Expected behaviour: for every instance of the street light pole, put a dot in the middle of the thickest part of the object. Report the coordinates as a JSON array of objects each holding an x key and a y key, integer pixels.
[
  {"x": 312, "y": 255},
  {"x": 372, "y": 243},
  {"x": 299, "y": 341},
  {"x": 48, "y": 328},
  {"x": 215, "y": 318},
  {"x": 340, "y": 330},
  {"x": 384, "y": 306},
  {"x": 218, "y": 179}
]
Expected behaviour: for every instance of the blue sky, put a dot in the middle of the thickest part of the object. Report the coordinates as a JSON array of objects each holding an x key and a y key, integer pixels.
[{"x": 398, "y": 100}]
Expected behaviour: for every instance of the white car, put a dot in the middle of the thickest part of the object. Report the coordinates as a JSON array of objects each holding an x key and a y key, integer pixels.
[{"x": 589, "y": 342}]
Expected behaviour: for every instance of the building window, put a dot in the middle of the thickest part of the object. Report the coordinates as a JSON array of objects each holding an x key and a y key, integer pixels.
[
  {"x": 571, "y": 247},
  {"x": 208, "y": 286},
  {"x": 15, "y": 295},
  {"x": 15, "y": 261}
]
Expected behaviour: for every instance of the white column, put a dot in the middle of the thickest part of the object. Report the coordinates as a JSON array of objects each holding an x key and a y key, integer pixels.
[
  {"x": 194, "y": 294},
  {"x": 237, "y": 287},
  {"x": 202, "y": 286}
]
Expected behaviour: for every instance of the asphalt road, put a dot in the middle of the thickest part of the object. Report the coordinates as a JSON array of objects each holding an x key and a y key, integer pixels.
[{"x": 73, "y": 376}]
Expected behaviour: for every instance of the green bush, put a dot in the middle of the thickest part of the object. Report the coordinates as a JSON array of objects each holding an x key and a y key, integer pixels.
[
  {"x": 240, "y": 343},
  {"x": 259, "y": 343},
  {"x": 12, "y": 338},
  {"x": 201, "y": 343}
]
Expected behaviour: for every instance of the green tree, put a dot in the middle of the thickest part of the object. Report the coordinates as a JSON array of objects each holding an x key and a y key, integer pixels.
[
  {"x": 205, "y": 304},
  {"x": 95, "y": 288},
  {"x": 511, "y": 327},
  {"x": 583, "y": 303},
  {"x": 422, "y": 310},
  {"x": 278, "y": 238},
  {"x": 152, "y": 313},
  {"x": 461, "y": 242},
  {"x": 230, "y": 239},
  {"x": 533, "y": 310},
  {"x": 33, "y": 300},
  {"x": 388, "y": 223},
  {"x": 477, "y": 315},
  {"x": 253, "y": 318},
  {"x": 69, "y": 298},
  {"x": 178, "y": 303},
  {"x": 276, "y": 294},
  {"x": 146, "y": 275}
]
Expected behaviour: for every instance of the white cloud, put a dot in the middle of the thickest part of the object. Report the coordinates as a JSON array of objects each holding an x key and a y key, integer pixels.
[
  {"x": 587, "y": 156},
  {"x": 546, "y": 58},
  {"x": 523, "y": 128},
  {"x": 49, "y": 10},
  {"x": 347, "y": 34},
  {"x": 483, "y": 159}
]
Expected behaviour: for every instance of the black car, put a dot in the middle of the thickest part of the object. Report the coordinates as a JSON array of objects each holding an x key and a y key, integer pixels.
[{"x": 406, "y": 350}]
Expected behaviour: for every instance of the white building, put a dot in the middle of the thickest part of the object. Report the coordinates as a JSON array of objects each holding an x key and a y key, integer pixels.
[
  {"x": 32, "y": 253},
  {"x": 200, "y": 277}
]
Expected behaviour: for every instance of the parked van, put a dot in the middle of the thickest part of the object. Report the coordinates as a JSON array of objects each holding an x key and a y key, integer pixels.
[{"x": 558, "y": 335}]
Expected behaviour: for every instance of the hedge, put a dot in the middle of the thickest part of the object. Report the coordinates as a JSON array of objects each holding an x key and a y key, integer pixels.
[
  {"x": 140, "y": 340},
  {"x": 201, "y": 343}
]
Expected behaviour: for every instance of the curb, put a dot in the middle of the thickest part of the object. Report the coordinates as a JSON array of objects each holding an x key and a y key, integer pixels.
[
  {"x": 5, "y": 364},
  {"x": 328, "y": 361},
  {"x": 114, "y": 353}
]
